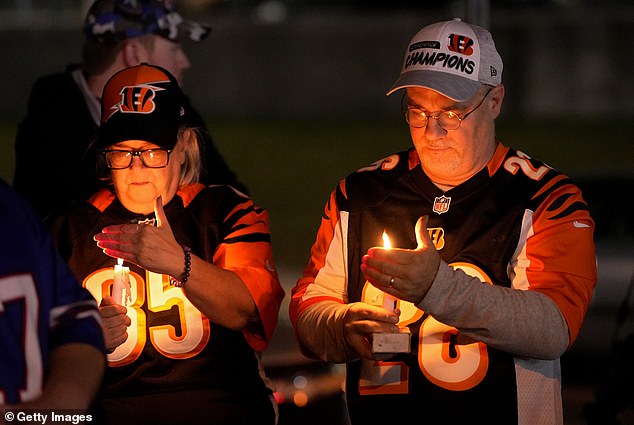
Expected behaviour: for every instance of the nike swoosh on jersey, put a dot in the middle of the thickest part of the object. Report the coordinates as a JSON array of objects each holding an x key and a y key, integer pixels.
[{"x": 579, "y": 224}]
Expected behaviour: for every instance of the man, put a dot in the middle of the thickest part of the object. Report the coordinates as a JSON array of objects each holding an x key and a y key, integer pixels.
[
  {"x": 493, "y": 262},
  {"x": 54, "y": 162},
  {"x": 52, "y": 351}
]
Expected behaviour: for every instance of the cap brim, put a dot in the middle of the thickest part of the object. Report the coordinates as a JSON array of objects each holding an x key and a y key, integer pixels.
[
  {"x": 139, "y": 127},
  {"x": 452, "y": 86}
]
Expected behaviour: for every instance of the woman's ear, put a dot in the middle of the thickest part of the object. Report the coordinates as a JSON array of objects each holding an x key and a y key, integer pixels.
[{"x": 179, "y": 147}]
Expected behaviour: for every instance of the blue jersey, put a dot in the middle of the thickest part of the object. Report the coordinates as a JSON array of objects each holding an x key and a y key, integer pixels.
[{"x": 41, "y": 304}]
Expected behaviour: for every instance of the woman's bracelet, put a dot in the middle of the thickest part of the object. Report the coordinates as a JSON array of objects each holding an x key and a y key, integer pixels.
[{"x": 188, "y": 268}]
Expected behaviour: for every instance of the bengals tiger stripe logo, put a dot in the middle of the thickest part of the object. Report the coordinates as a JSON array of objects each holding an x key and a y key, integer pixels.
[
  {"x": 137, "y": 99},
  {"x": 460, "y": 44}
]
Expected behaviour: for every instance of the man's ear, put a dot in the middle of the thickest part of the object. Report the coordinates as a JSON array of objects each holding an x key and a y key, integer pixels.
[
  {"x": 497, "y": 96},
  {"x": 133, "y": 53}
]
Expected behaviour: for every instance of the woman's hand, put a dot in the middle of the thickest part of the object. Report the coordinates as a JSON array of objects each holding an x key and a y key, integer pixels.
[
  {"x": 153, "y": 248},
  {"x": 114, "y": 323},
  {"x": 228, "y": 302}
]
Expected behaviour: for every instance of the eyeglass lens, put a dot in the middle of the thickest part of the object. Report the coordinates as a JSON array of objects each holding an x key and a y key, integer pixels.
[
  {"x": 448, "y": 120},
  {"x": 151, "y": 158}
]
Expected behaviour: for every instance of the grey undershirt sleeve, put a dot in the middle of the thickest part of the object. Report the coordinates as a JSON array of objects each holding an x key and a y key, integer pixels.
[{"x": 524, "y": 323}]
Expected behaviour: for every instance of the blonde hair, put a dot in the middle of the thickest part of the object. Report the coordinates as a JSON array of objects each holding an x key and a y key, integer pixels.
[{"x": 190, "y": 138}]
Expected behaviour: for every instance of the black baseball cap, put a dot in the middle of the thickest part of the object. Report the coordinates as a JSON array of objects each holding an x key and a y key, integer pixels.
[
  {"x": 143, "y": 102},
  {"x": 109, "y": 21}
]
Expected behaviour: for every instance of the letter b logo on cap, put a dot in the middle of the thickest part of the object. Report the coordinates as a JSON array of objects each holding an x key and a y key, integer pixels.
[
  {"x": 460, "y": 44},
  {"x": 138, "y": 99}
]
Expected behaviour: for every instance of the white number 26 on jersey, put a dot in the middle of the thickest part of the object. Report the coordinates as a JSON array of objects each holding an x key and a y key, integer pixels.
[{"x": 445, "y": 363}]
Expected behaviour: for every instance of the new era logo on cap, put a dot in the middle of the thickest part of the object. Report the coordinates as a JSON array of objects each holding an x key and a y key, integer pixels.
[{"x": 451, "y": 57}]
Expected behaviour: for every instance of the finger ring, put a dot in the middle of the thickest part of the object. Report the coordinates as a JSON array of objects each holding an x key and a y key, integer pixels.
[{"x": 391, "y": 282}]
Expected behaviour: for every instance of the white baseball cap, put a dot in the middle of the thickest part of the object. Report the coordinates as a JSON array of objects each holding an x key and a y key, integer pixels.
[{"x": 453, "y": 58}]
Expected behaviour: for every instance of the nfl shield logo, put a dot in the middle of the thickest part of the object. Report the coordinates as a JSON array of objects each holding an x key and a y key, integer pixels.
[{"x": 441, "y": 204}]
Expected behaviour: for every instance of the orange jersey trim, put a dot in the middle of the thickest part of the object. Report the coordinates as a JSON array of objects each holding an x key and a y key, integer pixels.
[
  {"x": 564, "y": 271},
  {"x": 102, "y": 199},
  {"x": 188, "y": 193},
  {"x": 498, "y": 159},
  {"x": 253, "y": 263}
]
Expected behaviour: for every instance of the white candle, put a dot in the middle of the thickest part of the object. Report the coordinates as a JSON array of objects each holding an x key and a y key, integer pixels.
[
  {"x": 389, "y": 301},
  {"x": 121, "y": 281},
  {"x": 391, "y": 342}
]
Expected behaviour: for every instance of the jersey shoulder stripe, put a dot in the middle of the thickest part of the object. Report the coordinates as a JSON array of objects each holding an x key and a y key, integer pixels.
[
  {"x": 188, "y": 193},
  {"x": 541, "y": 187},
  {"x": 371, "y": 185}
]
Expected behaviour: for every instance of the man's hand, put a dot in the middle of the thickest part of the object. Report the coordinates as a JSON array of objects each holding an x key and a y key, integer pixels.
[
  {"x": 361, "y": 321},
  {"x": 404, "y": 273}
]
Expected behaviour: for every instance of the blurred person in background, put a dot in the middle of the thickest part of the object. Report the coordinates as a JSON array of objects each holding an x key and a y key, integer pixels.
[
  {"x": 492, "y": 264},
  {"x": 52, "y": 350},
  {"x": 54, "y": 159},
  {"x": 186, "y": 338}
]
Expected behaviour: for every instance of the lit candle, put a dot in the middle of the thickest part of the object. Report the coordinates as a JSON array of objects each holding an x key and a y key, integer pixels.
[
  {"x": 391, "y": 343},
  {"x": 121, "y": 281},
  {"x": 389, "y": 301}
]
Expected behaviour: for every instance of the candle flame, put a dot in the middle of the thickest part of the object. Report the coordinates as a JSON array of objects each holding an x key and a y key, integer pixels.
[
  {"x": 386, "y": 241},
  {"x": 120, "y": 261}
]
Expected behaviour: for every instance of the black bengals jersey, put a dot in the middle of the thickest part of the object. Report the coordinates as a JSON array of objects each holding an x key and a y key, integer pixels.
[
  {"x": 172, "y": 348},
  {"x": 517, "y": 223}
]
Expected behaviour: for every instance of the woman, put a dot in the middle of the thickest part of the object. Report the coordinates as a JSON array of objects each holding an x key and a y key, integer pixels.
[{"x": 204, "y": 294}]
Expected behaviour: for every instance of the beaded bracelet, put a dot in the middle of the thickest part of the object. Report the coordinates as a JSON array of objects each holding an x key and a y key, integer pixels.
[{"x": 188, "y": 268}]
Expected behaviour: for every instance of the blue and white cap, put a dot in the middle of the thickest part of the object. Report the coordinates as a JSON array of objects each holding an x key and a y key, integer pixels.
[
  {"x": 109, "y": 21},
  {"x": 452, "y": 58}
]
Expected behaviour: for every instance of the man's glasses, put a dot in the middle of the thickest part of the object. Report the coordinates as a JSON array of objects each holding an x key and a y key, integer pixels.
[
  {"x": 448, "y": 120},
  {"x": 119, "y": 159}
]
